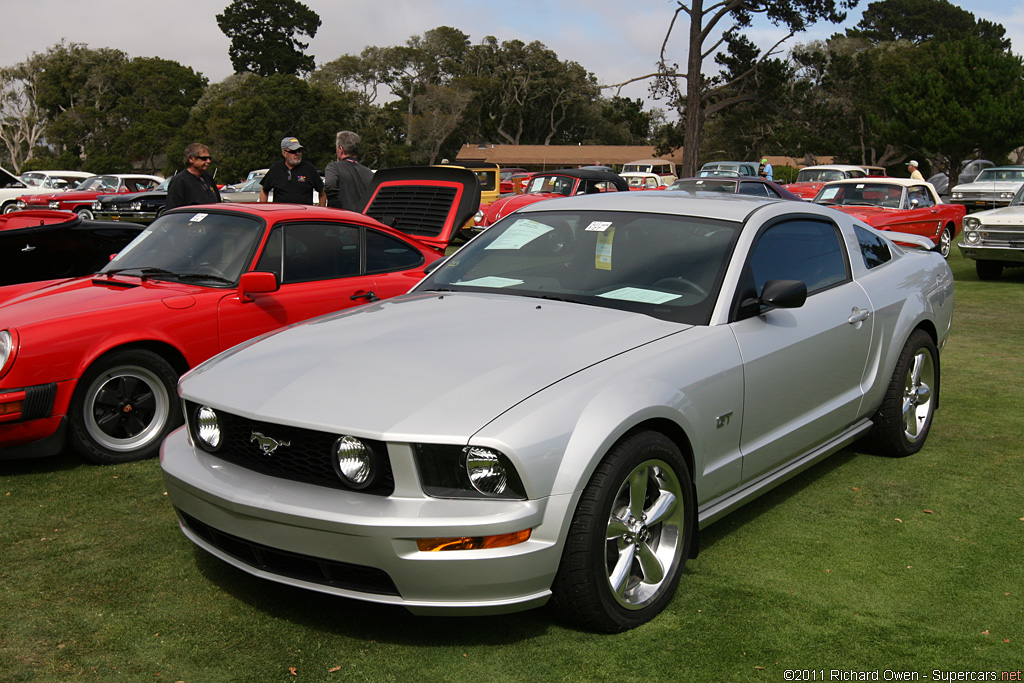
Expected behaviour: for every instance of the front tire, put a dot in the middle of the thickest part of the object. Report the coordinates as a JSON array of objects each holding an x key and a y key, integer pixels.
[
  {"x": 630, "y": 537},
  {"x": 124, "y": 406},
  {"x": 905, "y": 417},
  {"x": 989, "y": 270},
  {"x": 10, "y": 207},
  {"x": 946, "y": 242},
  {"x": 84, "y": 214}
]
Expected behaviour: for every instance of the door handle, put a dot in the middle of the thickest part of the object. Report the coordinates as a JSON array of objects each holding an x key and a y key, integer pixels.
[
  {"x": 28, "y": 247},
  {"x": 858, "y": 315},
  {"x": 369, "y": 296}
]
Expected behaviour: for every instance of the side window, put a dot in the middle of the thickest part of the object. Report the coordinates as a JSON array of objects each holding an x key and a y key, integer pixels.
[
  {"x": 857, "y": 174},
  {"x": 872, "y": 247},
  {"x": 304, "y": 252},
  {"x": 923, "y": 197},
  {"x": 384, "y": 253},
  {"x": 804, "y": 250},
  {"x": 756, "y": 189}
]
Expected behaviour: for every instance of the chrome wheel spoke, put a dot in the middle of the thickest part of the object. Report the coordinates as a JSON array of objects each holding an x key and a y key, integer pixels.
[
  {"x": 650, "y": 564},
  {"x": 619, "y": 576},
  {"x": 617, "y": 528},
  {"x": 663, "y": 507},
  {"x": 637, "y": 491}
]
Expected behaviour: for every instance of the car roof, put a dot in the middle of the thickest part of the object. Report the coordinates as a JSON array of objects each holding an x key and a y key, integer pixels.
[
  {"x": 833, "y": 167},
  {"x": 886, "y": 180},
  {"x": 729, "y": 207},
  {"x": 649, "y": 161}
]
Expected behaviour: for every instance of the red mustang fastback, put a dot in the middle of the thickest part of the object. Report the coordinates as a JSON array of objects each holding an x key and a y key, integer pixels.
[
  {"x": 94, "y": 360},
  {"x": 899, "y": 205},
  {"x": 81, "y": 198}
]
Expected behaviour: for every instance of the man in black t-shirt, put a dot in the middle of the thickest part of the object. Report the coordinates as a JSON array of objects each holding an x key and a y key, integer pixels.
[
  {"x": 193, "y": 185},
  {"x": 292, "y": 180}
]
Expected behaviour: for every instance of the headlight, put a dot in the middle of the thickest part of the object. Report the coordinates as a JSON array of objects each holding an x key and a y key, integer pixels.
[
  {"x": 958, "y": 195},
  {"x": 972, "y": 236},
  {"x": 21, "y": 205},
  {"x": 469, "y": 472},
  {"x": 6, "y": 349},
  {"x": 971, "y": 223},
  {"x": 354, "y": 462},
  {"x": 207, "y": 429},
  {"x": 136, "y": 206},
  {"x": 96, "y": 206},
  {"x": 54, "y": 205},
  {"x": 1006, "y": 195},
  {"x": 479, "y": 216}
]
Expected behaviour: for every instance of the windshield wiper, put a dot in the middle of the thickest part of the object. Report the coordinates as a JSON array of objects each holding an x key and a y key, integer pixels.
[
  {"x": 145, "y": 271},
  {"x": 204, "y": 276}
]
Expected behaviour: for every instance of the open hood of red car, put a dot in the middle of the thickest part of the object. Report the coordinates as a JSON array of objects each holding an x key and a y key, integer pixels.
[{"x": 429, "y": 203}]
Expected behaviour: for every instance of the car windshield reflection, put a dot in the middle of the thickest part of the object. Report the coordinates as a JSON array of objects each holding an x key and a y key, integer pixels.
[
  {"x": 668, "y": 267},
  {"x": 883, "y": 195},
  {"x": 210, "y": 249}
]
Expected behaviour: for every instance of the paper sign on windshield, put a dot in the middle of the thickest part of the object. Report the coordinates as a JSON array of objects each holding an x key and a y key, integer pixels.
[
  {"x": 643, "y": 296},
  {"x": 519, "y": 235}
]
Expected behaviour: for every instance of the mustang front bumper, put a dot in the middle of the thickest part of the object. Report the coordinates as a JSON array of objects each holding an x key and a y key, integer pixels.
[{"x": 363, "y": 546}]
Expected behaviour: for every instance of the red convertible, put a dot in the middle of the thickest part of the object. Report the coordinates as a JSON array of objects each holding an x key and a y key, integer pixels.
[
  {"x": 81, "y": 198},
  {"x": 899, "y": 205},
  {"x": 94, "y": 360}
]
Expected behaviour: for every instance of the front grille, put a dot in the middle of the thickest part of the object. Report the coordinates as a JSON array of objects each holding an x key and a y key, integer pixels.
[
  {"x": 304, "y": 454},
  {"x": 1008, "y": 236},
  {"x": 413, "y": 209},
  {"x": 294, "y": 565}
]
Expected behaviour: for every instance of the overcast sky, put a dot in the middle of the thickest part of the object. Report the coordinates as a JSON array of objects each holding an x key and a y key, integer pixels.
[{"x": 613, "y": 39}]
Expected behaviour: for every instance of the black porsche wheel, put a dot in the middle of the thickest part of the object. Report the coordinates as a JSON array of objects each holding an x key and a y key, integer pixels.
[
  {"x": 630, "y": 537},
  {"x": 124, "y": 406},
  {"x": 905, "y": 417}
]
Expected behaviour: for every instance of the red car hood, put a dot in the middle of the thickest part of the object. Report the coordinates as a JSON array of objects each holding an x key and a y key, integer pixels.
[
  {"x": 502, "y": 207},
  {"x": 866, "y": 213},
  {"x": 805, "y": 190},
  {"x": 35, "y": 302}
]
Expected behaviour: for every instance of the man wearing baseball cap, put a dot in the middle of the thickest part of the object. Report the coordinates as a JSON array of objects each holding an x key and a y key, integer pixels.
[
  {"x": 293, "y": 179},
  {"x": 914, "y": 173},
  {"x": 765, "y": 169}
]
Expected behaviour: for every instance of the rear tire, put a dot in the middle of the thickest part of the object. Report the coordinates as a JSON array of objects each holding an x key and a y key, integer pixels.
[
  {"x": 989, "y": 270},
  {"x": 630, "y": 537},
  {"x": 124, "y": 406},
  {"x": 905, "y": 417}
]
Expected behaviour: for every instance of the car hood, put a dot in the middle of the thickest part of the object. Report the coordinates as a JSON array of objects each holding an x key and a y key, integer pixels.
[
  {"x": 131, "y": 196},
  {"x": 804, "y": 189},
  {"x": 866, "y": 213},
  {"x": 506, "y": 205},
  {"x": 419, "y": 366},
  {"x": 1007, "y": 215},
  {"x": 82, "y": 296},
  {"x": 989, "y": 186}
]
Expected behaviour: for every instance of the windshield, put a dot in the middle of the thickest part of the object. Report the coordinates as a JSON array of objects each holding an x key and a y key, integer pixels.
[
  {"x": 818, "y": 175},
  {"x": 557, "y": 184},
  {"x": 862, "y": 194},
  {"x": 98, "y": 183},
  {"x": 666, "y": 266},
  {"x": 1018, "y": 199},
  {"x": 996, "y": 174},
  {"x": 211, "y": 249}
]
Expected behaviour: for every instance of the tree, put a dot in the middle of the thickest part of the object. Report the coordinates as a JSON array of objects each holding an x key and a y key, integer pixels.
[
  {"x": 439, "y": 113},
  {"x": 706, "y": 19},
  {"x": 949, "y": 99},
  {"x": 265, "y": 36},
  {"x": 22, "y": 120},
  {"x": 920, "y": 20}
]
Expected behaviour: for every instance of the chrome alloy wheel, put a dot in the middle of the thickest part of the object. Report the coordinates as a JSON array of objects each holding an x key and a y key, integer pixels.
[
  {"x": 945, "y": 242},
  {"x": 644, "y": 534},
  {"x": 126, "y": 408},
  {"x": 917, "y": 395}
]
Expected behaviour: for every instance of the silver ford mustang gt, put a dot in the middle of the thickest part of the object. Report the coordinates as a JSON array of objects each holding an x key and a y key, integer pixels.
[{"x": 561, "y": 406}]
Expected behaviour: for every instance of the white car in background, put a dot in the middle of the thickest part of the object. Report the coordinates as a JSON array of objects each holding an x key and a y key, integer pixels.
[{"x": 994, "y": 187}]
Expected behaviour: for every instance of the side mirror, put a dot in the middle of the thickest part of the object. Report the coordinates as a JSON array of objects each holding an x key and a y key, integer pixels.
[
  {"x": 256, "y": 283},
  {"x": 777, "y": 294}
]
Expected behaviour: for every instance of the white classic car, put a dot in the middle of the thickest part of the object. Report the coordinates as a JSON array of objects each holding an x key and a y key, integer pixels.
[
  {"x": 994, "y": 187},
  {"x": 995, "y": 238},
  {"x": 642, "y": 363}
]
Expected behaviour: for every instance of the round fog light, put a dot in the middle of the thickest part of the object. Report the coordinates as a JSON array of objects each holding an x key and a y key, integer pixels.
[
  {"x": 208, "y": 427},
  {"x": 486, "y": 473},
  {"x": 353, "y": 462}
]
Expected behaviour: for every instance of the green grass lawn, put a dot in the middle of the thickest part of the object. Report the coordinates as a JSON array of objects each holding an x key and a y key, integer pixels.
[{"x": 862, "y": 563}]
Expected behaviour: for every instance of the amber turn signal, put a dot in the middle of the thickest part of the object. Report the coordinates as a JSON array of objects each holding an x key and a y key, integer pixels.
[{"x": 473, "y": 542}]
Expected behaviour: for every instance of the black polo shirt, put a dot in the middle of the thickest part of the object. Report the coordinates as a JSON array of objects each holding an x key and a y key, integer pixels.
[
  {"x": 186, "y": 189},
  {"x": 292, "y": 185}
]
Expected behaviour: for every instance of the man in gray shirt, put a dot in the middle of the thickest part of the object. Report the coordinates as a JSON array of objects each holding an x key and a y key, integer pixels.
[{"x": 346, "y": 180}]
